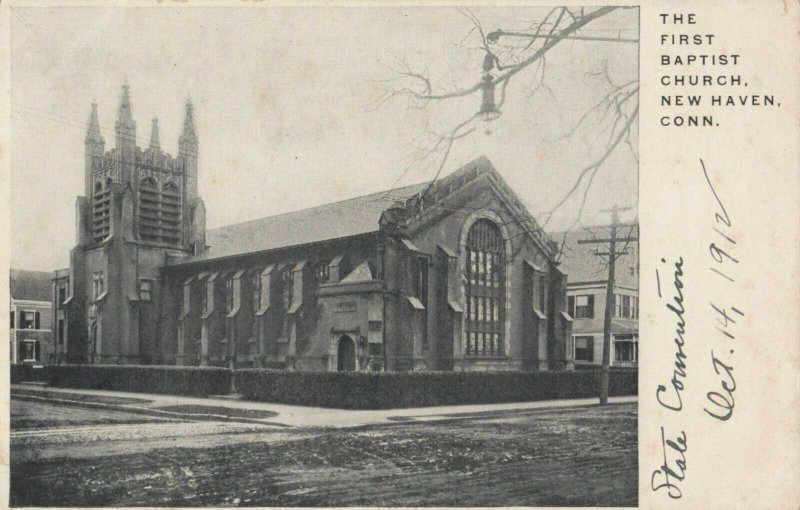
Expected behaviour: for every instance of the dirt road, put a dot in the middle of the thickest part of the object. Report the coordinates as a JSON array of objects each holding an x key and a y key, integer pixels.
[{"x": 583, "y": 456}]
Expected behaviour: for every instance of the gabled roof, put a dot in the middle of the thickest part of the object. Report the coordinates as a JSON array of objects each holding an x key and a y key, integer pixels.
[
  {"x": 31, "y": 285},
  {"x": 353, "y": 217},
  {"x": 347, "y": 218},
  {"x": 583, "y": 266}
]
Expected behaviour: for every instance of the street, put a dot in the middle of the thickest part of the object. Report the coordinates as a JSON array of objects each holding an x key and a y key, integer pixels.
[{"x": 68, "y": 456}]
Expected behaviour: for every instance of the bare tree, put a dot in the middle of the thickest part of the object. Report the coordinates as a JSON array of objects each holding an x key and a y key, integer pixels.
[{"x": 508, "y": 57}]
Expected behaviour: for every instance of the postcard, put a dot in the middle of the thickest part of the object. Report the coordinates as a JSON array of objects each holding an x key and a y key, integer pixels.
[{"x": 343, "y": 254}]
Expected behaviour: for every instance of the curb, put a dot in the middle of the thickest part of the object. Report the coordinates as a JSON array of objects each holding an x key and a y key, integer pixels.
[{"x": 147, "y": 410}]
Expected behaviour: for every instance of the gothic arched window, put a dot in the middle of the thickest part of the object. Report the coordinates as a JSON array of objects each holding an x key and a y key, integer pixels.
[
  {"x": 287, "y": 291},
  {"x": 485, "y": 290},
  {"x": 255, "y": 289}
]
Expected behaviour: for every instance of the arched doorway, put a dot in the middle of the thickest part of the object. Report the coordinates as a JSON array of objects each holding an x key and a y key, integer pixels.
[{"x": 346, "y": 354}]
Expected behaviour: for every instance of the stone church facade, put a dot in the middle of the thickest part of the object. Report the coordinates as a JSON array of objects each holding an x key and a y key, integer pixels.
[{"x": 450, "y": 275}]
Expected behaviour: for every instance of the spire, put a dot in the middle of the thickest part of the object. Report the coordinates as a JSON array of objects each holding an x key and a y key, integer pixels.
[
  {"x": 93, "y": 133},
  {"x": 189, "y": 132},
  {"x": 154, "y": 142},
  {"x": 124, "y": 115}
]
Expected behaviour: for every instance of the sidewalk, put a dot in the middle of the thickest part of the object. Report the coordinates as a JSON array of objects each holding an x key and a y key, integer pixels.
[{"x": 280, "y": 414}]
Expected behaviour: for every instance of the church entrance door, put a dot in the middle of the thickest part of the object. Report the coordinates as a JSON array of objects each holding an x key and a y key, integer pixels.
[{"x": 346, "y": 354}]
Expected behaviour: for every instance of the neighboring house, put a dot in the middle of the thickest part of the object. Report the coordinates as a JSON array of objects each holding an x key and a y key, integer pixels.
[
  {"x": 451, "y": 276},
  {"x": 587, "y": 275},
  {"x": 31, "y": 317}
]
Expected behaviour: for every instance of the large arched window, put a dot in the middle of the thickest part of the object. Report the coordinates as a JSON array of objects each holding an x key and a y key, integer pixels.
[{"x": 485, "y": 290}]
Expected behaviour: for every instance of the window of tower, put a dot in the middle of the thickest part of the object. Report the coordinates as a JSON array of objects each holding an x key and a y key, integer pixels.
[
  {"x": 148, "y": 210},
  {"x": 101, "y": 211},
  {"x": 171, "y": 214}
]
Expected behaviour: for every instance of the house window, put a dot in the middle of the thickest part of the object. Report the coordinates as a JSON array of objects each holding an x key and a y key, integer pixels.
[
  {"x": 485, "y": 291},
  {"x": 584, "y": 348},
  {"x": 62, "y": 295},
  {"x": 12, "y": 319},
  {"x": 255, "y": 289},
  {"x": 98, "y": 284},
  {"x": 582, "y": 307},
  {"x": 30, "y": 350},
  {"x": 626, "y": 307},
  {"x": 624, "y": 349},
  {"x": 29, "y": 319},
  {"x": 146, "y": 290}
]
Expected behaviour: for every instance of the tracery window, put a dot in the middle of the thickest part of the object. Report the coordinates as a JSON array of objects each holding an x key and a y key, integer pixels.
[{"x": 485, "y": 290}]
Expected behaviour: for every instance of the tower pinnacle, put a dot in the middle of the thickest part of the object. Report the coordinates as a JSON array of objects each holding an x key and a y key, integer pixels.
[
  {"x": 124, "y": 114},
  {"x": 154, "y": 140},
  {"x": 93, "y": 132},
  {"x": 189, "y": 131}
]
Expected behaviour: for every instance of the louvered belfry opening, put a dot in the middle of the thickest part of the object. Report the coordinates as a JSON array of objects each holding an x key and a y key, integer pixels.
[
  {"x": 170, "y": 214},
  {"x": 159, "y": 213},
  {"x": 148, "y": 211},
  {"x": 101, "y": 213},
  {"x": 485, "y": 290}
]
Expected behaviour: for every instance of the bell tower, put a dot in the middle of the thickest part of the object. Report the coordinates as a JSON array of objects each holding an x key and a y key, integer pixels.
[{"x": 140, "y": 207}]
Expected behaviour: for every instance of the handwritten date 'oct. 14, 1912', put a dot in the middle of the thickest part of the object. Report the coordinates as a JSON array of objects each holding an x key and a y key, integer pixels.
[{"x": 719, "y": 401}]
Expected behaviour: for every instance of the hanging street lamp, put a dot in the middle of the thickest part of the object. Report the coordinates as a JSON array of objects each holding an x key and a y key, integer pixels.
[{"x": 489, "y": 110}]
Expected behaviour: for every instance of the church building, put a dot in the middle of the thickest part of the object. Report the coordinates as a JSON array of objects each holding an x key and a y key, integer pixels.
[{"x": 453, "y": 274}]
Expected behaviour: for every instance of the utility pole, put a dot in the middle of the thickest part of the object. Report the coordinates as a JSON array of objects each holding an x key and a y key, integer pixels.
[{"x": 612, "y": 255}]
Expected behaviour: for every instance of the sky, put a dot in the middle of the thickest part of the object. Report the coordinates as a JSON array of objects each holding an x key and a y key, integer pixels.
[{"x": 288, "y": 110}]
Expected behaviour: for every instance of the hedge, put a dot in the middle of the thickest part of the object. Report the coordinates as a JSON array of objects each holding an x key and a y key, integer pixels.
[
  {"x": 347, "y": 390},
  {"x": 26, "y": 373},
  {"x": 355, "y": 390},
  {"x": 196, "y": 381}
]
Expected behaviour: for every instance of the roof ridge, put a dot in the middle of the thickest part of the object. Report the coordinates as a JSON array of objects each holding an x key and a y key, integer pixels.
[
  {"x": 293, "y": 211},
  {"x": 477, "y": 161}
]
